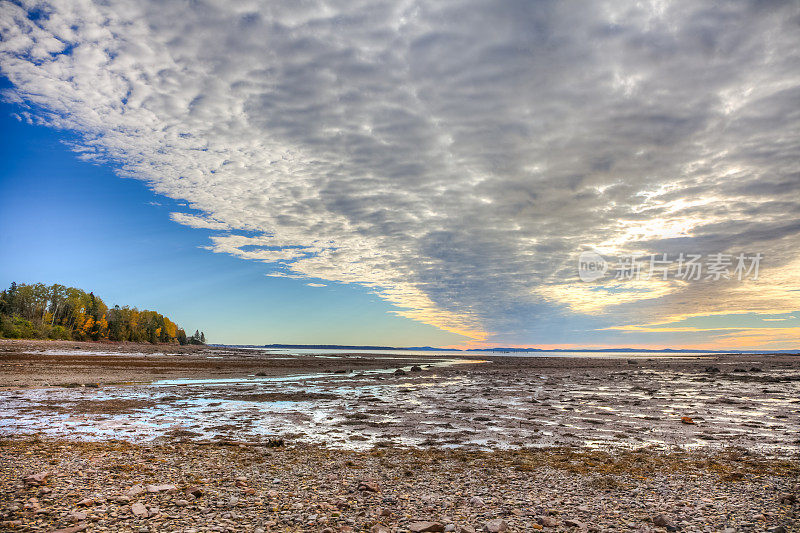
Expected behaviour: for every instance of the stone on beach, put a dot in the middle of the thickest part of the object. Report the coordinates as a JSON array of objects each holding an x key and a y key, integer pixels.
[
  {"x": 197, "y": 491},
  {"x": 546, "y": 521},
  {"x": 162, "y": 488},
  {"x": 73, "y": 529},
  {"x": 425, "y": 526},
  {"x": 77, "y": 516},
  {"x": 496, "y": 526},
  {"x": 368, "y": 486},
  {"x": 139, "y": 510},
  {"x": 37, "y": 479},
  {"x": 662, "y": 520}
]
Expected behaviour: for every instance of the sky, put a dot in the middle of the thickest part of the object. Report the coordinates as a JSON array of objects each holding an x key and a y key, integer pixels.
[{"x": 407, "y": 173}]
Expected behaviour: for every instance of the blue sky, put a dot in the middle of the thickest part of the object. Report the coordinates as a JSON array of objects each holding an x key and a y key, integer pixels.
[
  {"x": 407, "y": 173},
  {"x": 76, "y": 223}
]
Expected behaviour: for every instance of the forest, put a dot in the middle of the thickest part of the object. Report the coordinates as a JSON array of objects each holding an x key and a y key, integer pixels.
[{"x": 40, "y": 311}]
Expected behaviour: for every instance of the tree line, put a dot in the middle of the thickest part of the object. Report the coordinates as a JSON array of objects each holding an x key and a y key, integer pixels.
[{"x": 40, "y": 311}]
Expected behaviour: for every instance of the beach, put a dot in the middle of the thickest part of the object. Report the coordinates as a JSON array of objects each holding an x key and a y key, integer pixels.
[{"x": 233, "y": 439}]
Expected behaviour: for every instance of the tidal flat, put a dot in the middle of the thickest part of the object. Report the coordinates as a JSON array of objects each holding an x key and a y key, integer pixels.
[{"x": 305, "y": 442}]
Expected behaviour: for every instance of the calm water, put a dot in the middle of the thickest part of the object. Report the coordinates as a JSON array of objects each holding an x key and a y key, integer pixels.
[{"x": 456, "y": 353}]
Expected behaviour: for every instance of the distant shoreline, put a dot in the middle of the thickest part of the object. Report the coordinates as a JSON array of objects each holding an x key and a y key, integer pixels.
[{"x": 497, "y": 350}]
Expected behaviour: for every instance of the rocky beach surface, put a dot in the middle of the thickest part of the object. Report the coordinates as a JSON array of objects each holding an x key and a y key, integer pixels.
[{"x": 132, "y": 438}]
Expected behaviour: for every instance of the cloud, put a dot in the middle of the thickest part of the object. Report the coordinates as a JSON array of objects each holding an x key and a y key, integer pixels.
[
  {"x": 452, "y": 157},
  {"x": 195, "y": 221}
]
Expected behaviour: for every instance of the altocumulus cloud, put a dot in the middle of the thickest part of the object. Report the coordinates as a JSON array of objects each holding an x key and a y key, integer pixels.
[{"x": 452, "y": 156}]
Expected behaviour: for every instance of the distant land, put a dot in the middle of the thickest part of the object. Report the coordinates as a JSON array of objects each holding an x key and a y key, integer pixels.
[{"x": 510, "y": 350}]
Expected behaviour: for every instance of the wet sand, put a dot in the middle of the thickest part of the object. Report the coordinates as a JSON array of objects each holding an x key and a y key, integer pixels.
[
  {"x": 27, "y": 363},
  {"x": 361, "y": 401}
]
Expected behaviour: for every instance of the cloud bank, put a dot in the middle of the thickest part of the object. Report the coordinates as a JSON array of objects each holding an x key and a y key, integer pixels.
[{"x": 455, "y": 158}]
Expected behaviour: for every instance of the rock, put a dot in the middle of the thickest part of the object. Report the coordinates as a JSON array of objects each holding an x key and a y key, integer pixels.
[
  {"x": 787, "y": 498},
  {"x": 86, "y": 502},
  {"x": 197, "y": 491},
  {"x": 399, "y": 372},
  {"x": 712, "y": 369},
  {"x": 777, "y": 529},
  {"x": 182, "y": 503},
  {"x": 77, "y": 516},
  {"x": 37, "y": 479},
  {"x": 423, "y": 526},
  {"x": 135, "y": 491},
  {"x": 73, "y": 529},
  {"x": 368, "y": 486},
  {"x": 139, "y": 510},
  {"x": 162, "y": 488},
  {"x": 496, "y": 526},
  {"x": 449, "y": 528},
  {"x": 546, "y": 521},
  {"x": 476, "y": 501},
  {"x": 380, "y": 529},
  {"x": 573, "y": 523},
  {"x": 661, "y": 520},
  {"x": 687, "y": 420},
  {"x": 467, "y": 529},
  {"x": 416, "y": 368}
]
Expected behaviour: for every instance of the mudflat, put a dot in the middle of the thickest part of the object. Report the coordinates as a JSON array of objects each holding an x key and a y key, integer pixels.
[{"x": 222, "y": 439}]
